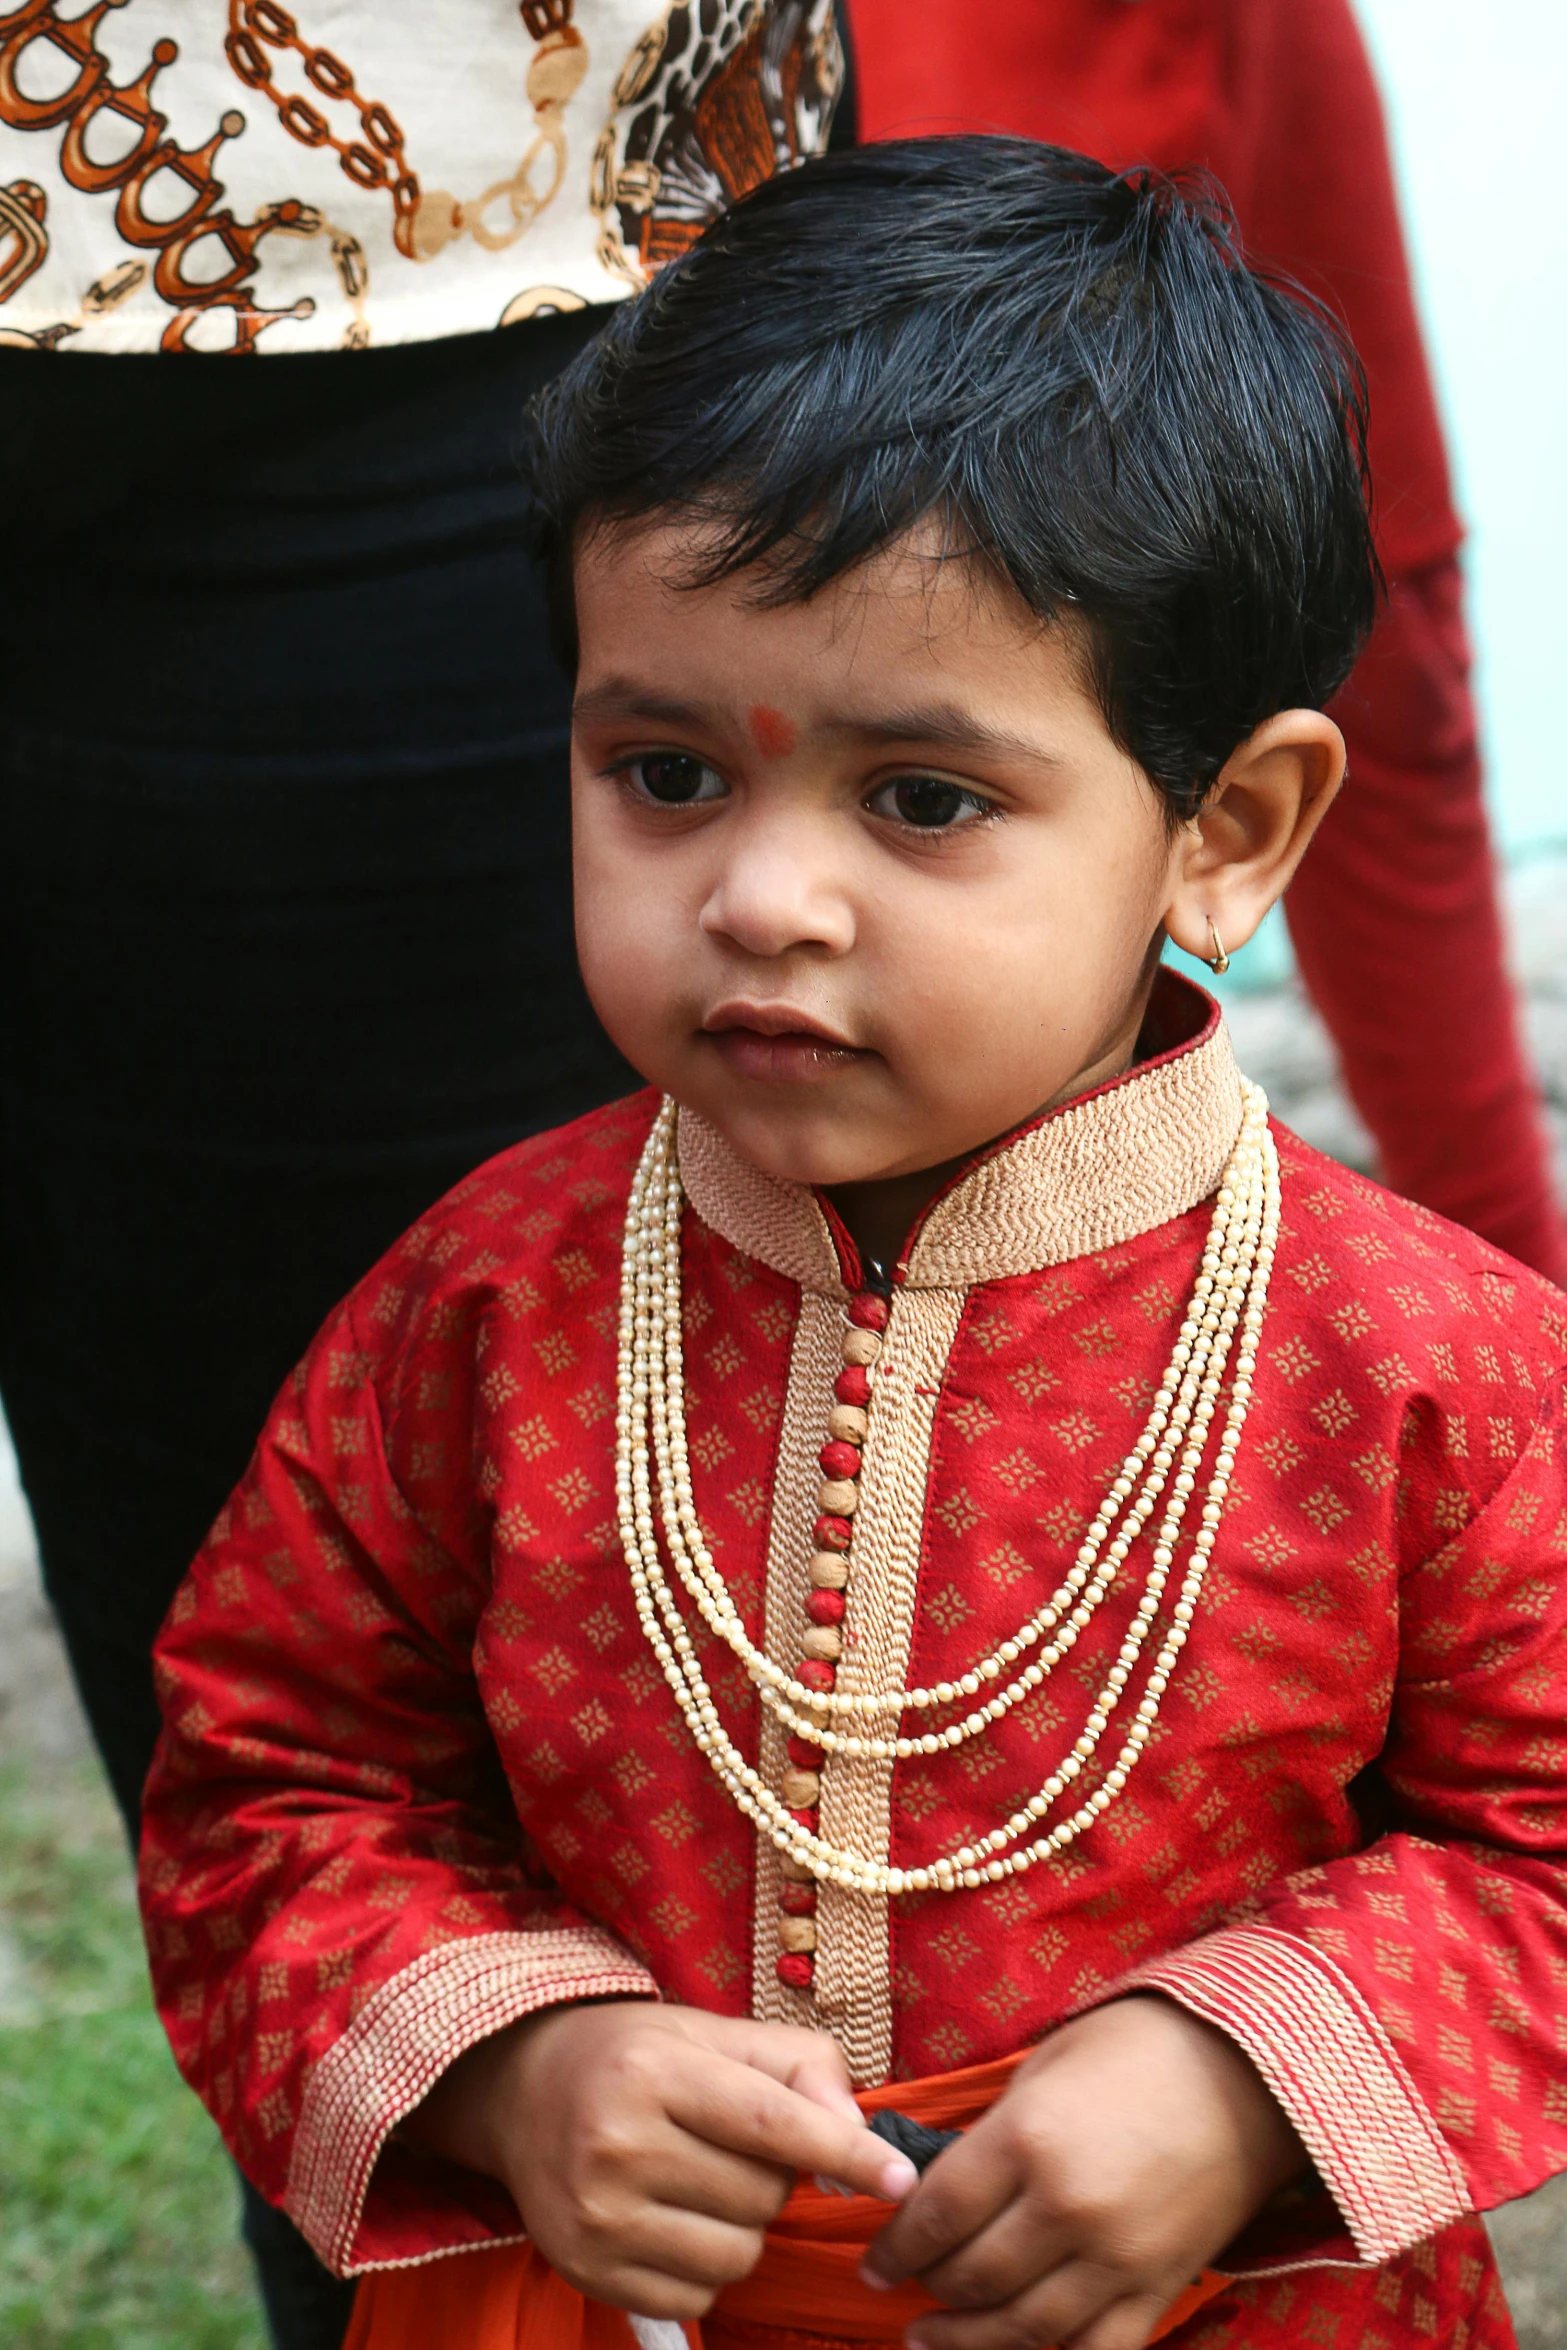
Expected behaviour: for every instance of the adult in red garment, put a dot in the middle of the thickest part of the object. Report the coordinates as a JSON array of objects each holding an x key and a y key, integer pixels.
[{"x": 1394, "y": 916}]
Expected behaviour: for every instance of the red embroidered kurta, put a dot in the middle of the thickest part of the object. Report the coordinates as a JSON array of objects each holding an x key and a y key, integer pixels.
[{"x": 422, "y": 1775}]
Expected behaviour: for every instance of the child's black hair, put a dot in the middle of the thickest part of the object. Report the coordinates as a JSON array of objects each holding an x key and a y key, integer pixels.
[{"x": 1071, "y": 371}]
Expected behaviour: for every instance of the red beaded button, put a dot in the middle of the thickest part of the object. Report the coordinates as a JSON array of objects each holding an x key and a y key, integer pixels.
[
  {"x": 869, "y": 1312},
  {"x": 832, "y": 1534},
  {"x": 825, "y": 1607},
  {"x": 805, "y": 1754},
  {"x": 795, "y": 1969},
  {"x": 853, "y": 1385},
  {"x": 813, "y": 1672},
  {"x": 803, "y": 1819},
  {"x": 839, "y": 1459},
  {"x": 798, "y": 1901}
]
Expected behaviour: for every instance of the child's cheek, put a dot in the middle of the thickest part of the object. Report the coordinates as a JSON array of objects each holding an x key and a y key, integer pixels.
[{"x": 632, "y": 965}]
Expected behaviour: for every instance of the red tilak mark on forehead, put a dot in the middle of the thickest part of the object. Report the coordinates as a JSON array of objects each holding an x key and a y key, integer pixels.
[{"x": 772, "y": 733}]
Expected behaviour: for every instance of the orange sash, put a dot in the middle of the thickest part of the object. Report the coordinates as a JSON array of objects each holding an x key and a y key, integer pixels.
[{"x": 806, "y": 2283}]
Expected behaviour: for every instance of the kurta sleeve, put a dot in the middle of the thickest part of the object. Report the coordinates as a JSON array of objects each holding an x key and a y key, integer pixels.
[
  {"x": 339, "y": 1898},
  {"x": 1405, "y": 2003}
]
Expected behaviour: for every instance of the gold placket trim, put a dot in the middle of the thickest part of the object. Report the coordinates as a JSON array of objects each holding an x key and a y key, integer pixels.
[
  {"x": 815, "y": 1360},
  {"x": 853, "y": 1985},
  {"x": 851, "y": 1996}
]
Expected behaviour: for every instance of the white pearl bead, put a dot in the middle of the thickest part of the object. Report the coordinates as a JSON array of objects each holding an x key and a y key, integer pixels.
[{"x": 1236, "y": 1265}]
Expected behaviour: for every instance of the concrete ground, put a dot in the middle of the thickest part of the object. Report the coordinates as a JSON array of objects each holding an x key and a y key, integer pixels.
[{"x": 1283, "y": 1046}]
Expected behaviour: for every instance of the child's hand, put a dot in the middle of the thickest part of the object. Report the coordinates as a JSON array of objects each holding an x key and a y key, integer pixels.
[
  {"x": 647, "y": 2148},
  {"x": 1126, "y": 2154}
]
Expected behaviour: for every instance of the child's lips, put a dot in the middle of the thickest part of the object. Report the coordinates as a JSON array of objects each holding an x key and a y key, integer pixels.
[{"x": 793, "y": 1057}]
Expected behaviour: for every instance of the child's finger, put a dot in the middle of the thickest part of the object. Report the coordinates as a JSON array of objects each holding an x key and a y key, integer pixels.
[
  {"x": 1022, "y": 2244},
  {"x": 1079, "y": 2294},
  {"x": 700, "y": 2176},
  {"x": 669, "y": 2262},
  {"x": 745, "y": 2109},
  {"x": 963, "y": 2192},
  {"x": 810, "y": 2063}
]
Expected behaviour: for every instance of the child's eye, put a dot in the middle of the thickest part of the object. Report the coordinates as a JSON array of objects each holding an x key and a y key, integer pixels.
[
  {"x": 929, "y": 803},
  {"x": 673, "y": 778}
]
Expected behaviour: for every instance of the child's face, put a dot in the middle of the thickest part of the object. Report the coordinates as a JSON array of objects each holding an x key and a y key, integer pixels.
[{"x": 865, "y": 880}]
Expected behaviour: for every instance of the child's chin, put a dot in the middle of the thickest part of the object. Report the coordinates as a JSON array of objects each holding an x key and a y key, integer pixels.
[{"x": 802, "y": 1148}]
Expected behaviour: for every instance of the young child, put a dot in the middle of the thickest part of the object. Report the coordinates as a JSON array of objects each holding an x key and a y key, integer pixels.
[{"x": 934, "y": 1551}]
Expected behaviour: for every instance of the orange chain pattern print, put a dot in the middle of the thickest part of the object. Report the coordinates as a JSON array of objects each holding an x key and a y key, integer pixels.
[
  {"x": 22, "y": 240},
  {"x": 374, "y": 161},
  {"x": 151, "y": 152},
  {"x": 378, "y": 158}
]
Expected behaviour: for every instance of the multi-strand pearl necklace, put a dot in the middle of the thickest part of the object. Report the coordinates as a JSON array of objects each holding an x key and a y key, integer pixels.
[{"x": 1230, "y": 1294}]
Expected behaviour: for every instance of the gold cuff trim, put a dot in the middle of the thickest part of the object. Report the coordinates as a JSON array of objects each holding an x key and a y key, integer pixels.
[
  {"x": 405, "y": 2037},
  {"x": 1330, "y": 2064}
]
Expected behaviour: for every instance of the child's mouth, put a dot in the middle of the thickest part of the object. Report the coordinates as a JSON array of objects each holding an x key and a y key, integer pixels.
[
  {"x": 776, "y": 1044},
  {"x": 794, "y": 1056}
]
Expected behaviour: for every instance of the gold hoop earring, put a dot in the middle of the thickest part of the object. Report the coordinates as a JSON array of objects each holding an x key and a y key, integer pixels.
[{"x": 1218, "y": 961}]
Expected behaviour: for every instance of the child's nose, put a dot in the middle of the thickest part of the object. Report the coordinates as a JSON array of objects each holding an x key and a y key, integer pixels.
[{"x": 778, "y": 892}]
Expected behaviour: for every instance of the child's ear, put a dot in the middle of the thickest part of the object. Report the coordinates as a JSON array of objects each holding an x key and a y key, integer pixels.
[{"x": 1234, "y": 858}]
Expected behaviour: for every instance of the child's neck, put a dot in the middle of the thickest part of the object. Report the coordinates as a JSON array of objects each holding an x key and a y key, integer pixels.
[{"x": 880, "y": 1214}]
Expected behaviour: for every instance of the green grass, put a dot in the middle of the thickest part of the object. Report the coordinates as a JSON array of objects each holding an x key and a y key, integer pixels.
[{"x": 117, "y": 2206}]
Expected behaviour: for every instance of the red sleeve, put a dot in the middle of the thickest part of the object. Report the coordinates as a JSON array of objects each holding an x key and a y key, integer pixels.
[
  {"x": 338, "y": 1896},
  {"x": 1127, "y": 84},
  {"x": 1305, "y": 159},
  {"x": 1404, "y": 2003}
]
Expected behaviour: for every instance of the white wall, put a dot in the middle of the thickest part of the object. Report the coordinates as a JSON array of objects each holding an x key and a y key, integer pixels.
[{"x": 1477, "y": 100}]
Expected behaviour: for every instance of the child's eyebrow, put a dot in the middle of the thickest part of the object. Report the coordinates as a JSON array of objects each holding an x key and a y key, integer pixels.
[
  {"x": 946, "y": 726},
  {"x": 933, "y": 725},
  {"x": 620, "y": 697}
]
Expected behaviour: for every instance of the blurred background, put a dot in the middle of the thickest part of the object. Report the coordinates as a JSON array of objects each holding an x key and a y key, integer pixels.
[
  {"x": 1488, "y": 241},
  {"x": 118, "y": 2208},
  {"x": 1483, "y": 88}
]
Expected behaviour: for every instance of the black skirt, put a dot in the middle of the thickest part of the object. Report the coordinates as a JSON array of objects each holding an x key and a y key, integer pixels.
[{"x": 285, "y": 906}]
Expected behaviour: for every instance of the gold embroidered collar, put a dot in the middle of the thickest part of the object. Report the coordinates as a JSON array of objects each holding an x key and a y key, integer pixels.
[{"x": 1093, "y": 1173}]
